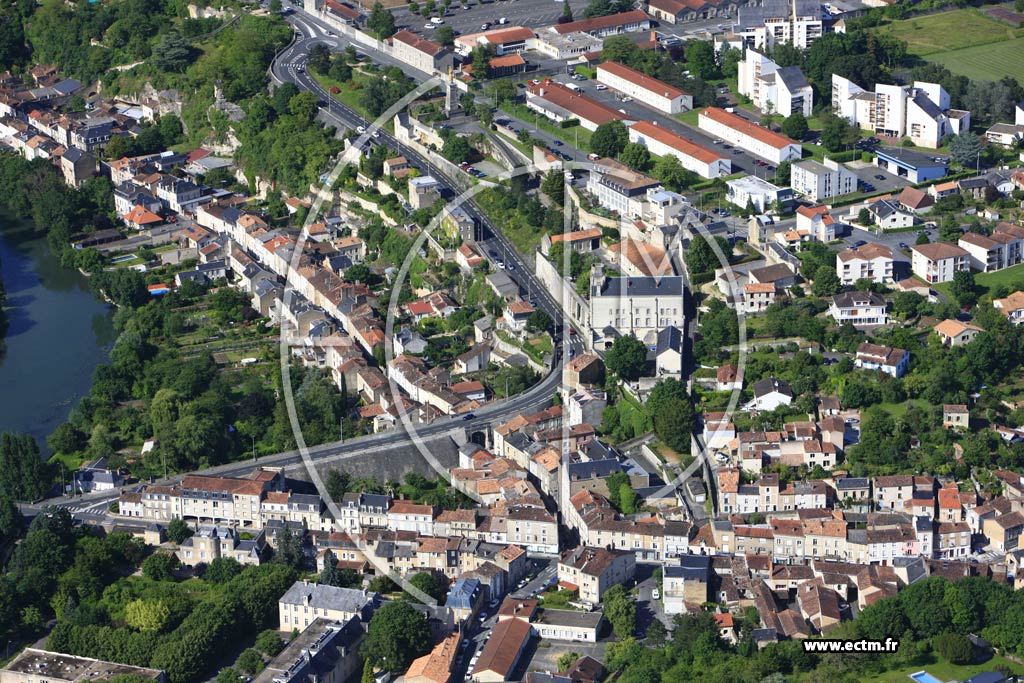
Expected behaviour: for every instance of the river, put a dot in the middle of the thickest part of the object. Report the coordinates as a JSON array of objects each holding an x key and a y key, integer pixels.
[{"x": 59, "y": 332}]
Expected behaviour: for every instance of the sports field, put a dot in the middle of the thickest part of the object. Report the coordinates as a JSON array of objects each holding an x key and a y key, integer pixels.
[{"x": 966, "y": 42}]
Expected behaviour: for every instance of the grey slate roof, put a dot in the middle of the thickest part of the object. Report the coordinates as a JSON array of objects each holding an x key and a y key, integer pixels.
[
  {"x": 322, "y": 596},
  {"x": 670, "y": 338},
  {"x": 643, "y": 286},
  {"x": 792, "y": 77},
  {"x": 770, "y": 384}
]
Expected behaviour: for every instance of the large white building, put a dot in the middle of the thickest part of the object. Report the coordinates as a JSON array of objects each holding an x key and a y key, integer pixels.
[
  {"x": 640, "y": 306},
  {"x": 751, "y": 190},
  {"x": 871, "y": 261},
  {"x": 858, "y": 308},
  {"x": 707, "y": 163},
  {"x": 820, "y": 181},
  {"x": 618, "y": 188},
  {"x": 420, "y": 53},
  {"x": 644, "y": 89},
  {"x": 920, "y": 112},
  {"x": 739, "y": 131},
  {"x": 938, "y": 261},
  {"x": 783, "y": 90},
  {"x": 774, "y": 22},
  {"x": 559, "y": 104}
]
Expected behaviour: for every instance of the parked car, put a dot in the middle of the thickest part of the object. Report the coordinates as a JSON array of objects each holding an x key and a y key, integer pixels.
[
  {"x": 879, "y": 176},
  {"x": 859, "y": 243},
  {"x": 599, "y": 86},
  {"x": 429, "y": 27}
]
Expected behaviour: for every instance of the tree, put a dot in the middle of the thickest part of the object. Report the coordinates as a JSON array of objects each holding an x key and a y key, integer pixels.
[
  {"x": 553, "y": 186},
  {"x": 397, "y": 635},
  {"x": 367, "y": 676},
  {"x": 23, "y": 474},
  {"x": 620, "y": 611},
  {"x": 160, "y": 566},
  {"x": 670, "y": 171},
  {"x": 701, "y": 257},
  {"x": 249, "y": 661},
  {"x": 609, "y": 139},
  {"x": 319, "y": 58},
  {"x": 674, "y": 422},
  {"x": 864, "y": 216},
  {"x": 826, "y": 282},
  {"x": 602, "y": 8},
  {"x": 627, "y": 357},
  {"x": 381, "y": 22},
  {"x": 700, "y": 59},
  {"x": 963, "y": 288},
  {"x": 837, "y": 133},
  {"x": 795, "y": 126},
  {"x": 922, "y": 238},
  {"x": 434, "y": 585},
  {"x": 566, "y": 660},
  {"x": 954, "y": 648},
  {"x": 147, "y": 615},
  {"x": 627, "y": 499},
  {"x": 66, "y": 438},
  {"x": 656, "y": 633},
  {"x": 274, "y": 6},
  {"x": 566, "y": 15},
  {"x": 636, "y": 156},
  {"x": 171, "y": 52},
  {"x": 222, "y": 570},
  {"x": 965, "y": 149},
  {"x": 539, "y": 321},
  {"x": 783, "y": 172},
  {"x": 457, "y": 149},
  {"x": 269, "y": 642},
  {"x": 178, "y": 531},
  {"x": 445, "y": 35}
]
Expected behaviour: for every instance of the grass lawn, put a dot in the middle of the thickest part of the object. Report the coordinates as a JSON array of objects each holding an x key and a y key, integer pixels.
[
  {"x": 1012, "y": 278},
  {"x": 965, "y": 41},
  {"x": 945, "y": 671},
  {"x": 986, "y": 62},
  {"x": 899, "y": 410},
  {"x": 691, "y": 117},
  {"x": 577, "y": 135}
]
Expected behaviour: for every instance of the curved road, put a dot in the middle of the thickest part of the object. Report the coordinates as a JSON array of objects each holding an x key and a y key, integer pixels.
[{"x": 286, "y": 68}]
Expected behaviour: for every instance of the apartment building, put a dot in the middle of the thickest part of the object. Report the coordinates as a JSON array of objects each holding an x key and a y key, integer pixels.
[
  {"x": 920, "y": 112},
  {"x": 746, "y": 134},
  {"x": 687, "y": 584},
  {"x": 820, "y": 181},
  {"x": 705, "y": 162},
  {"x": 635, "y": 305},
  {"x": 774, "y": 22},
  {"x": 938, "y": 261},
  {"x": 420, "y": 53},
  {"x": 618, "y": 188},
  {"x": 644, "y": 89},
  {"x": 871, "y": 261},
  {"x": 783, "y": 91},
  {"x": 999, "y": 250},
  {"x": 592, "y": 571},
  {"x": 306, "y": 602}
]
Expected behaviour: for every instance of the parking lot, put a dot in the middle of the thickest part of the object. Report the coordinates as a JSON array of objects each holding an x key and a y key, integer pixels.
[{"x": 534, "y": 14}]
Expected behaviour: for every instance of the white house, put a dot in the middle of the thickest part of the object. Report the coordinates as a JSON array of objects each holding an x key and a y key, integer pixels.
[
  {"x": 817, "y": 222},
  {"x": 746, "y": 134},
  {"x": 636, "y": 305},
  {"x": 644, "y": 89},
  {"x": 861, "y": 309},
  {"x": 871, "y": 261},
  {"x": 783, "y": 90},
  {"x": 888, "y": 215},
  {"x": 619, "y": 188},
  {"x": 769, "y": 394},
  {"x": 936, "y": 262},
  {"x": 885, "y": 358},
  {"x": 819, "y": 181},
  {"x": 707, "y": 163},
  {"x": 1012, "y": 307}
]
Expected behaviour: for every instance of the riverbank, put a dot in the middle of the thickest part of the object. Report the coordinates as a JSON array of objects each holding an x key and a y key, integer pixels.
[{"x": 58, "y": 333}]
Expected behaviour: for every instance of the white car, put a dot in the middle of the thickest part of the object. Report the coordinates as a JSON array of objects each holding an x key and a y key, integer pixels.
[
  {"x": 429, "y": 26},
  {"x": 655, "y": 594},
  {"x": 436, "y": 20},
  {"x": 627, "y": 99},
  {"x": 600, "y": 87},
  {"x": 361, "y": 129}
]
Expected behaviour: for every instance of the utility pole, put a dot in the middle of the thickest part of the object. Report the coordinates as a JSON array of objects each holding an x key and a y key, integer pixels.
[{"x": 254, "y": 448}]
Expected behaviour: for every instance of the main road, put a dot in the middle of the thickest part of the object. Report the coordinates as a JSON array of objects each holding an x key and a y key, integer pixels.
[{"x": 289, "y": 66}]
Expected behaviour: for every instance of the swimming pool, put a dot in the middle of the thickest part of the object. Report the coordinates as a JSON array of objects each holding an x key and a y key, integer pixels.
[{"x": 924, "y": 677}]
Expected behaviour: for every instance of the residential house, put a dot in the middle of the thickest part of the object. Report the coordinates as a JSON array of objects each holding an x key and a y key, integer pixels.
[
  {"x": 818, "y": 222},
  {"x": 887, "y": 359},
  {"x": 769, "y": 394},
  {"x": 592, "y": 571},
  {"x": 305, "y": 602},
  {"x": 888, "y": 214},
  {"x": 956, "y": 333},
  {"x": 861, "y": 309},
  {"x": 1011, "y": 306}
]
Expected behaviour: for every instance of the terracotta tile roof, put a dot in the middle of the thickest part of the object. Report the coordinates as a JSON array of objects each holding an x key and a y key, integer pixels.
[
  {"x": 677, "y": 142},
  {"x": 240, "y": 487},
  {"x": 652, "y": 85},
  {"x": 419, "y": 44},
  {"x": 500, "y": 654},
  {"x": 599, "y": 23},
  {"x": 581, "y": 106},
  {"x": 437, "y": 664},
  {"x": 647, "y": 258},
  {"x": 576, "y": 235},
  {"x": 740, "y": 124},
  {"x": 938, "y": 250}
]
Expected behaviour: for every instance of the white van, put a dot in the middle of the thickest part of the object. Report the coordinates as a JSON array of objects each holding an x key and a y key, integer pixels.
[
  {"x": 503, "y": 21},
  {"x": 574, "y": 87}
]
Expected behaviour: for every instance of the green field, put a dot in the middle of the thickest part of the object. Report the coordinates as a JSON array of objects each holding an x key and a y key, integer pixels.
[
  {"x": 1012, "y": 278},
  {"x": 986, "y": 62},
  {"x": 965, "y": 41}
]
